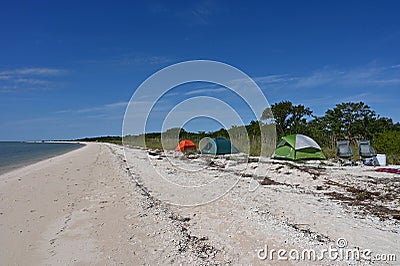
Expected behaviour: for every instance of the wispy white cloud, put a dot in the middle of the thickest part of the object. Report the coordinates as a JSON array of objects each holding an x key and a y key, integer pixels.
[
  {"x": 34, "y": 71},
  {"x": 131, "y": 59},
  {"x": 316, "y": 79},
  {"x": 31, "y": 81},
  {"x": 156, "y": 7},
  {"x": 370, "y": 97},
  {"x": 362, "y": 76},
  {"x": 33, "y": 121},
  {"x": 205, "y": 90},
  {"x": 199, "y": 13},
  {"x": 116, "y": 105},
  {"x": 395, "y": 66},
  {"x": 5, "y": 77},
  {"x": 28, "y": 79},
  {"x": 387, "y": 81},
  {"x": 323, "y": 88},
  {"x": 96, "y": 109},
  {"x": 270, "y": 79}
]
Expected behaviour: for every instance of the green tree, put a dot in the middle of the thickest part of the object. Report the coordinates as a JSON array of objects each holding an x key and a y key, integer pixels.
[
  {"x": 253, "y": 129},
  {"x": 287, "y": 117},
  {"x": 388, "y": 142},
  {"x": 350, "y": 121},
  {"x": 297, "y": 121},
  {"x": 383, "y": 124},
  {"x": 317, "y": 129}
]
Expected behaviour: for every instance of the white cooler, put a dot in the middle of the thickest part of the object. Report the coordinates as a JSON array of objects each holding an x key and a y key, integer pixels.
[{"x": 381, "y": 159}]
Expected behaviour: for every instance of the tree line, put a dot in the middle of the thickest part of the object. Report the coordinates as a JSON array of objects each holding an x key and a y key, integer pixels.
[{"x": 351, "y": 121}]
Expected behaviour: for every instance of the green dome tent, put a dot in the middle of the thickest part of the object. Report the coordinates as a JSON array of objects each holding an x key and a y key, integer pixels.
[
  {"x": 219, "y": 146},
  {"x": 298, "y": 147}
]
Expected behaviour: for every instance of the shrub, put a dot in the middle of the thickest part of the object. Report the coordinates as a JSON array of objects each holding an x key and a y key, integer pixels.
[{"x": 388, "y": 142}]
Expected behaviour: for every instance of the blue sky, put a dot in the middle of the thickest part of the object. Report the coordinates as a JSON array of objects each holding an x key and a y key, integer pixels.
[{"x": 68, "y": 68}]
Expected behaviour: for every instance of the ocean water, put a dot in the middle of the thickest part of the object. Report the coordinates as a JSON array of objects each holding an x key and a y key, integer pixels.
[{"x": 17, "y": 154}]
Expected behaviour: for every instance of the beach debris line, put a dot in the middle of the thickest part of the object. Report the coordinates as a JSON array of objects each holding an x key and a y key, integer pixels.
[
  {"x": 305, "y": 229},
  {"x": 184, "y": 241},
  {"x": 368, "y": 201},
  {"x": 314, "y": 171},
  {"x": 268, "y": 182}
]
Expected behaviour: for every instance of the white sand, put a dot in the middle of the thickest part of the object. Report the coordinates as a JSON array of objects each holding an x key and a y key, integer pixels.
[{"x": 84, "y": 207}]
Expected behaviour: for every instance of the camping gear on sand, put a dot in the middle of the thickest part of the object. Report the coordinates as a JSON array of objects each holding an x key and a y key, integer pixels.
[
  {"x": 389, "y": 170},
  {"x": 343, "y": 149},
  {"x": 367, "y": 153},
  {"x": 381, "y": 158},
  {"x": 344, "y": 153},
  {"x": 186, "y": 145},
  {"x": 378, "y": 160},
  {"x": 365, "y": 149},
  {"x": 370, "y": 161},
  {"x": 298, "y": 147},
  {"x": 154, "y": 155},
  {"x": 219, "y": 146}
]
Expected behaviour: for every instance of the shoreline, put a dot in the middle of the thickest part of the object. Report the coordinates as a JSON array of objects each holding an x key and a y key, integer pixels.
[
  {"x": 24, "y": 163},
  {"x": 40, "y": 204}
]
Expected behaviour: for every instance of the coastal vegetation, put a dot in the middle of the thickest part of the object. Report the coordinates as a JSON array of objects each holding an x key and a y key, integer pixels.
[{"x": 351, "y": 121}]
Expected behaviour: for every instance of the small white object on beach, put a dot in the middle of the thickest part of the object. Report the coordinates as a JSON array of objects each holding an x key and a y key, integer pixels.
[{"x": 381, "y": 158}]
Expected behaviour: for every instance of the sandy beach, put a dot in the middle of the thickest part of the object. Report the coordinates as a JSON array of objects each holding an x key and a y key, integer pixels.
[{"x": 103, "y": 205}]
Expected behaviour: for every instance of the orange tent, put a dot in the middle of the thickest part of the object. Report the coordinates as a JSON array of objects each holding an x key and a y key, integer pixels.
[{"x": 185, "y": 145}]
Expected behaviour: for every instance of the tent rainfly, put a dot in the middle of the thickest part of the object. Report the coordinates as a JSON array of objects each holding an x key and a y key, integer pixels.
[
  {"x": 219, "y": 146},
  {"x": 186, "y": 145},
  {"x": 298, "y": 147}
]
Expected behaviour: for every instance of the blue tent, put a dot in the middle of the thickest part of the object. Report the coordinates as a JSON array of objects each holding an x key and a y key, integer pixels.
[{"x": 219, "y": 146}]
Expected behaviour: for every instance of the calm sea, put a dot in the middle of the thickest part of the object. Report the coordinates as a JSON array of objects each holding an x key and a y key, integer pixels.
[{"x": 17, "y": 154}]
